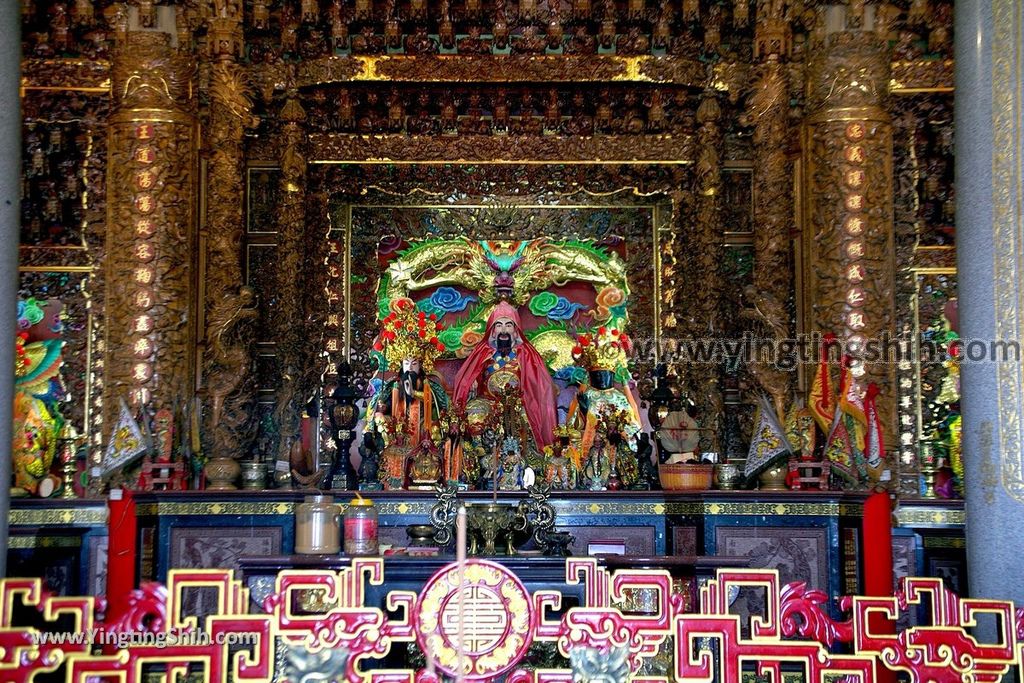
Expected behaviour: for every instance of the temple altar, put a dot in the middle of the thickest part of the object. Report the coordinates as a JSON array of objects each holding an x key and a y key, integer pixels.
[{"x": 192, "y": 530}]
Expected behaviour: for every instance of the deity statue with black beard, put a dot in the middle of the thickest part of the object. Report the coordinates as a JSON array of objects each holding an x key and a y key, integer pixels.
[{"x": 410, "y": 399}]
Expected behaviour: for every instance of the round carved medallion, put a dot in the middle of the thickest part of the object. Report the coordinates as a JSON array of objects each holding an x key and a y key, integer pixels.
[{"x": 497, "y": 630}]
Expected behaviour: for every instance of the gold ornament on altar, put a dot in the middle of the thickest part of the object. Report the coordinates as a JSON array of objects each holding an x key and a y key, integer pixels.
[{"x": 408, "y": 333}]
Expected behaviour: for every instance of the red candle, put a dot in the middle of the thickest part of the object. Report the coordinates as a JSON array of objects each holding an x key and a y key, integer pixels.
[{"x": 121, "y": 552}]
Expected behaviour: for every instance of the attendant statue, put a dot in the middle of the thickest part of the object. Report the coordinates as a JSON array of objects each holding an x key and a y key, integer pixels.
[
  {"x": 513, "y": 394},
  {"x": 648, "y": 474},
  {"x": 425, "y": 464},
  {"x": 369, "y": 464},
  {"x": 410, "y": 399},
  {"x": 394, "y": 457},
  {"x": 563, "y": 460},
  {"x": 510, "y": 468},
  {"x": 611, "y": 421}
]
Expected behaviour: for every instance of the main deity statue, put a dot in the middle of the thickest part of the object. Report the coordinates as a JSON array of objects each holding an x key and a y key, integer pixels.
[{"x": 513, "y": 394}]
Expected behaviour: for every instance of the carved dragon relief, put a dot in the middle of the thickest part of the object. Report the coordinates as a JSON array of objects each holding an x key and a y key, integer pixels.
[
  {"x": 292, "y": 349},
  {"x": 766, "y": 298},
  {"x": 707, "y": 262},
  {"x": 227, "y": 382}
]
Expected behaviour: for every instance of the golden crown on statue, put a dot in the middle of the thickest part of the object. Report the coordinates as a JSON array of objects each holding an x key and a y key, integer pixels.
[
  {"x": 409, "y": 333},
  {"x": 605, "y": 349}
]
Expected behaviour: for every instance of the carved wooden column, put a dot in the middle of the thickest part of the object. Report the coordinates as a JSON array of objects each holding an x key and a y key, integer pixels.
[
  {"x": 708, "y": 255},
  {"x": 848, "y": 200},
  {"x": 227, "y": 382},
  {"x": 150, "y": 328},
  {"x": 291, "y": 255},
  {"x": 768, "y": 111}
]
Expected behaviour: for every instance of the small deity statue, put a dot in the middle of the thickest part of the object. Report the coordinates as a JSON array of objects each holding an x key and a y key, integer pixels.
[
  {"x": 529, "y": 41},
  {"x": 345, "y": 110},
  {"x": 657, "y": 119},
  {"x": 635, "y": 42},
  {"x": 446, "y": 33},
  {"x": 260, "y": 15},
  {"x": 563, "y": 460},
  {"x": 553, "y": 112},
  {"x": 607, "y": 32},
  {"x": 83, "y": 13},
  {"x": 510, "y": 468},
  {"x": 394, "y": 456},
  {"x": 580, "y": 123},
  {"x": 309, "y": 10},
  {"x": 500, "y": 116},
  {"x": 647, "y": 474},
  {"x": 420, "y": 42},
  {"x": 393, "y": 33},
  {"x": 611, "y": 418},
  {"x": 422, "y": 122},
  {"x": 339, "y": 26},
  {"x": 555, "y": 31},
  {"x": 396, "y": 112},
  {"x": 289, "y": 28},
  {"x": 661, "y": 34},
  {"x": 372, "y": 119},
  {"x": 474, "y": 43},
  {"x": 632, "y": 119},
  {"x": 473, "y": 122},
  {"x": 449, "y": 114},
  {"x": 425, "y": 464},
  {"x": 60, "y": 28},
  {"x": 367, "y": 42},
  {"x": 500, "y": 30},
  {"x": 604, "y": 118},
  {"x": 369, "y": 464},
  {"x": 581, "y": 42}
]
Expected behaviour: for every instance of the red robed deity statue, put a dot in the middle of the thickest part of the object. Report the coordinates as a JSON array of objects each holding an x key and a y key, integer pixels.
[{"x": 504, "y": 363}]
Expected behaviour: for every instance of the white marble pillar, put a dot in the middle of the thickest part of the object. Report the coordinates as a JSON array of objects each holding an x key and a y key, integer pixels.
[
  {"x": 10, "y": 218},
  {"x": 990, "y": 262}
]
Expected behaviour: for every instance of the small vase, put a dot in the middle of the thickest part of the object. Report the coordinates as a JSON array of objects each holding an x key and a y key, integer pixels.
[
  {"x": 221, "y": 474},
  {"x": 774, "y": 478}
]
